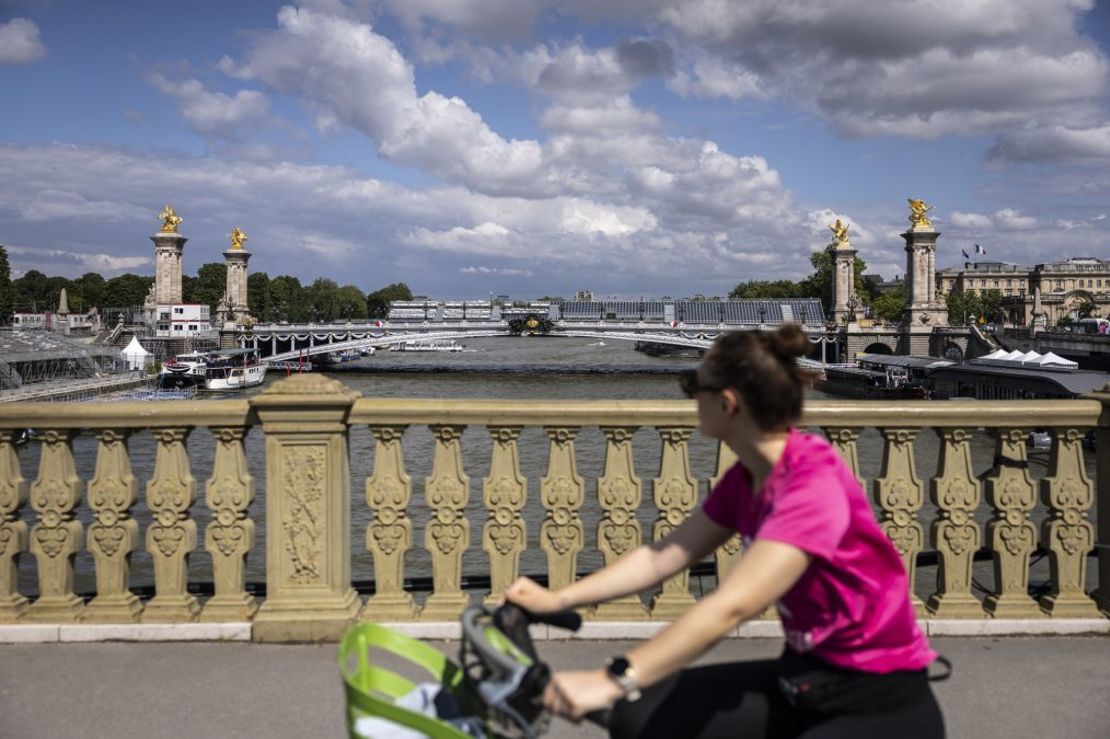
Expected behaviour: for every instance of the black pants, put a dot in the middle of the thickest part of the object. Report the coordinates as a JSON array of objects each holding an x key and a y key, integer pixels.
[{"x": 748, "y": 699}]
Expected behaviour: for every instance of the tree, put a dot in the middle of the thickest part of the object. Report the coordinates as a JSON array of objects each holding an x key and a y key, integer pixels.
[
  {"x": 288, "y": 299},
  {"x": 90, "y": 290},
  {"x": 764, "y": 290},
  {"x": 378, "y": 301},
  {"x": 32, "y": 292},
  {"x": 126, "y": 291},
  {"x": 210, "y": 286},
  {"x": 888, "y": 306},
  {"x": 7, "y": 292},
  {"x": 963, "y": 307},
  {"x": 351, "y": 303},
  {"x": 323, "y": 300},
  {"x": 991, "y": 306},
  {"x": 259, "y": 299}
]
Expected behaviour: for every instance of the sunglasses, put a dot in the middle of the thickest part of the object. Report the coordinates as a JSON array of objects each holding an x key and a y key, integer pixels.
[{"x": 691, "y": 385}]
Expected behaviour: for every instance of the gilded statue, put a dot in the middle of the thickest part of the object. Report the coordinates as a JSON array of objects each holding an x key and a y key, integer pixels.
[
  {"x": 918, "y": 210},
  {"x": 238, "y": 238},
  {"x": 170, "y": 220},
  {"x": 840, "y": 232}
]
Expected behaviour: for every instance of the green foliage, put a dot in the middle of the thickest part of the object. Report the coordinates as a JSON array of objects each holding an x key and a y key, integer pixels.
[
  {"x": 89, "y": 289},
  {"x": 209, "y": 287},
  {"x": 888, "y": 306},
  {"x": 32, "y": 294},
  {"x": 323, "y": 300},
  {"x": 126, "y": 291},
  {"x": 259, "y": 300},
  {"x": 820, "y": 283},
  {"x": 377, "y": 302},
  {"x": 765, "y": 290},
  {"x": 288, "y": 299},
  {"x": 963, "y": 308},
  {"x": 7, "y": 292},
  {"x": 351, "y": 303}
]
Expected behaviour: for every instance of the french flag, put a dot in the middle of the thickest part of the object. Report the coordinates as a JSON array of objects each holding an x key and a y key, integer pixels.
[
  {"x": 980, "y": 250},
  {"x": 966, "y": 255}
]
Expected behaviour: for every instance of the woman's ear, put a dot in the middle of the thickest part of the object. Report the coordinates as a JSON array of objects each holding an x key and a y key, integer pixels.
[{"x": 731, "y": 402}]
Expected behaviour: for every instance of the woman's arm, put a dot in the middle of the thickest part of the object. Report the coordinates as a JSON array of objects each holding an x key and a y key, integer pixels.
[
  {"x": 639, "y": 570},
  {"x": 765, "y": 572}
]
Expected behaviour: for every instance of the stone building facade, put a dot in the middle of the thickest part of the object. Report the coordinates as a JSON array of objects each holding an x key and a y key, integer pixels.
[{"x": 1054, "y": 290}]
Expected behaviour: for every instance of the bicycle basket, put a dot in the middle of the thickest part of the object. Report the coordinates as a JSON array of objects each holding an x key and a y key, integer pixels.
[{"x": 373, "y": 689}]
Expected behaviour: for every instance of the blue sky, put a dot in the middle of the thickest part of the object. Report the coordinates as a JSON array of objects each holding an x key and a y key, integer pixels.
[{"x": 536, "y": 147}]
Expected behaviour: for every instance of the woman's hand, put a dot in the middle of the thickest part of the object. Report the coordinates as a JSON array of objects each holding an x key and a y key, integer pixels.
[
  {"x": 533, "y": 597},
  {"x": 574, "y": 694}
]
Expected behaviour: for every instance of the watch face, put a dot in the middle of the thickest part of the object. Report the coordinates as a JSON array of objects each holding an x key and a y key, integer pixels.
[{"x": 617, "y": 666}]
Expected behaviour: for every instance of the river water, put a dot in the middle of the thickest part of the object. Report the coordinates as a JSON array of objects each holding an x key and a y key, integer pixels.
[{"x": 498, "y": 368}]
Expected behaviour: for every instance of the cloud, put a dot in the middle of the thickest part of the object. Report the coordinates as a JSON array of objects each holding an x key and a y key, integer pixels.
[
  {"x": 215, "y": 113},
  {"x": 501, "y": 271},
  {"x": 50, "y": 259},
  {"x": 1056, "y": 143},
  {"x": 1006, "y": 219},
  {"x": 19, "y": 42}
]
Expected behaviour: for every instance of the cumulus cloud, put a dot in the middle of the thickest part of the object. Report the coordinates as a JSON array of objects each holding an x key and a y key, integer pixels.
[
  {"x": 20, "y": 42},
  {"x": 1006, "y": 219},
  {"x": 49, "y": 260},
  {"x": 1055, "y": 143},
  {"x": 215, "y": 113}
]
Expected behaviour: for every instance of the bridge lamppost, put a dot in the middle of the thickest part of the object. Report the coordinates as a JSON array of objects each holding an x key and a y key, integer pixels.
[{"x": 762, "y": 316}]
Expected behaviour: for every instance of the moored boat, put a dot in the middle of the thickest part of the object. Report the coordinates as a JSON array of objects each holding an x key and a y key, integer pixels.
[
  {"x": 184, "y": 370},
  {"x": 229, "y": 370}
]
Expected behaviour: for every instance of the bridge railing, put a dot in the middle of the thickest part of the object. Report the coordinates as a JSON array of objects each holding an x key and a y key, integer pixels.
[{"x": 306, "y": 422}]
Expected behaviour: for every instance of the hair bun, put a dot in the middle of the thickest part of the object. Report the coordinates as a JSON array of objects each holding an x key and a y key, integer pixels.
[{"x": 788, "y": 343}]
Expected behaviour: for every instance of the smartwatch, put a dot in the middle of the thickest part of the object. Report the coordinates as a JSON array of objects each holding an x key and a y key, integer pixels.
[{"x": 623, "y": 675}]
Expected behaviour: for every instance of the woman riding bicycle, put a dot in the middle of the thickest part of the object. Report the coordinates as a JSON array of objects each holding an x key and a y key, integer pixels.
[{"x": 855, "y": 659}]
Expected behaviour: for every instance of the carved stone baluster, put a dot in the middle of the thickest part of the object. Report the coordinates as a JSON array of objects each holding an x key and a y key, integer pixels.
[
  {"x": 389, "y": 534},
  {"x": 619, "y": 492},
  {"x": 956, "y": 536},
  {"x": 562, "y": 491},
  {"x": 899, "y": 494},
  {"x": 56, "y": 538},
  {"x": 13, "y": 532},
  {"x": 172, "y": 535},
  {"x": 1012, "y": 493},
  {"x": 113, "y": 535},
  {"x": 729, "y": 552},
  {"x": 448, "y": 533},
  {"x": 505, "y": 490},
  {"x": 1066, "y": 532},
  {"x": 676, "y": 494},
  {"x": 846, "y": 441},
  {"x": 230, "y": 535}
]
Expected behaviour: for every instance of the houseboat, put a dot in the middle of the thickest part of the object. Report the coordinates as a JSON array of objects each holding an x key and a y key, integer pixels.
[
  {"x": 184, "y": 370},
  {"x": 229, "y": 370}
]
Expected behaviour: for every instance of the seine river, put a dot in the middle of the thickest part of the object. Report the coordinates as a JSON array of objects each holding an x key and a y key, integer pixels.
[{"x": 499, "y": 368}]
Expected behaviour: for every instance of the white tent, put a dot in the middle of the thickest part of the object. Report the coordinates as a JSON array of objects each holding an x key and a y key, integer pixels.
[
  {"x": 1054, "y": 360},
  {"x": 134, "y": 355}
]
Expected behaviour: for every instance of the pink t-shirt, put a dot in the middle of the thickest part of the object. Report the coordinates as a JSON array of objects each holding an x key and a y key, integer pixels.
[{"x": 851, "y": 607}]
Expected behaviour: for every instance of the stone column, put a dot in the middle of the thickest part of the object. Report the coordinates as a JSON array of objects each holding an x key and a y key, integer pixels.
[
  {"x": 308, "y": 565},
  {"x": 235, "y": 293},
  {"x": 844, "y": 262},
  {"x": 923, "y": 309},
  {"x": 1102, "y": 501},
  {"x": 168, "y": 248}
]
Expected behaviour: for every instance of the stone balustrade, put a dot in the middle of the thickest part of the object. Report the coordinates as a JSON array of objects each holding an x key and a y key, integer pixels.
[{"x": 307, "y": 421}]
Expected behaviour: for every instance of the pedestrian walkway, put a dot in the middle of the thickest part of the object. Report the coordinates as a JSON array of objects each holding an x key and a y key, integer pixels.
[{"x": 1011, "y": 687}]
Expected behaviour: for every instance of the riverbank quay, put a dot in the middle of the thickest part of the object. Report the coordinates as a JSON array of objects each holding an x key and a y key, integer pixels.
[
  {"x": 76, "y": 390},
  {"x": 321, "y": 530},
  {"x": 1000, "y": 687}
]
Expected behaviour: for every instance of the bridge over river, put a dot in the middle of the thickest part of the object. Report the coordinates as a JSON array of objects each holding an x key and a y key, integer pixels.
[{"x": 281, "y": 343}]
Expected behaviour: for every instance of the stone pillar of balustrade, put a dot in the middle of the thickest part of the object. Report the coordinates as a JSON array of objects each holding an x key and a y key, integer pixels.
[
  {"x": 619, "y": 492},
  {"x": 172, "y": 534},
  {"x": 447, "y": 534},
  {"x": 230, "y": 534},
  {"x": 389, "y": 533},
  {"x": 562, "y": 491},
  {"x": 505, "y": 490},
  {"x": 1066, "y": 532},
  {"x": 13, "y": 531},
  {"x": 676, "y": 495},
  {"x": 56, "y": 537},
  {"x": 954, "y": 533},
  {"x": 113, "y": 534},
  {"x": 729, "y": 552},
  {"x": 1102, "y": 503},
  {"x": 308, "y": 566},
  {"x": 1012, "y": 493},
  {"x": 899, "y": 494}
]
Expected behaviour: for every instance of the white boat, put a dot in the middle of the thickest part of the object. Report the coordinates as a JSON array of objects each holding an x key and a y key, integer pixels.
[
  {"x": 599, "y": 342},
  {"x": 233, "y": 369},
  {"x": 184, "y": 370},
  {"x": 429, "y": 346}
]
